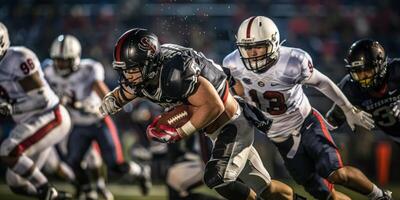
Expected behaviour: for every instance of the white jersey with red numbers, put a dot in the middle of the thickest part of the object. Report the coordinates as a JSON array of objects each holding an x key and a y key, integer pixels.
[
  {"x": 17, "y": 64},
  {"x": 76, "y": 90},
  {"x": 278, "y": 91}
]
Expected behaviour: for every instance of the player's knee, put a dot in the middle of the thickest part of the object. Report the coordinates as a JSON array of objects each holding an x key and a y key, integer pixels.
[
  {"x": 340, "y": 176},
  {"x": 212, "y": 177},
  {"x": 5, "y": 150}
]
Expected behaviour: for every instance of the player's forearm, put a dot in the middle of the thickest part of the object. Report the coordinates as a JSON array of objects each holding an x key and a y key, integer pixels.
[
  {"x": 329, "y": 89},
  {"x": 38, "y": 99},
  {"x": 206, "y": 114},
  {"x": 122, "y": 96}
]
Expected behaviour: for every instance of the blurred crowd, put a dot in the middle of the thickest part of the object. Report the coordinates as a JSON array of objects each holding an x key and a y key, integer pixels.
[{"x": 325, "y": 29}]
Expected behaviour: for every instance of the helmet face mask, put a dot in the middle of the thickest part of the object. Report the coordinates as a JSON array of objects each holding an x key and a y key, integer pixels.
[
  {"x": 366, "y": 63},
  {"x": 257, "y": 57},
  {"x": 258, "y": 43},
  {"x": 66, "y": 54},
  {"x": 137, "y": 57}
]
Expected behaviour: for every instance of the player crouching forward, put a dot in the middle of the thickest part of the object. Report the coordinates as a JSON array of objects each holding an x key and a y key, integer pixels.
[
  {"x": 40, "y": 121},
  {"x": 170, "y": 75}
]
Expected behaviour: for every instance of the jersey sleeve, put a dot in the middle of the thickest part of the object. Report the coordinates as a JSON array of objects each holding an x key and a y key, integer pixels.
[
  {"x": 179, "y": 77},
  {"x": 229, "y": 63},
  {"x": 306, "y": 68},
  {"x": 26, "y": 63},
  {"x": 98, "y": 71}
]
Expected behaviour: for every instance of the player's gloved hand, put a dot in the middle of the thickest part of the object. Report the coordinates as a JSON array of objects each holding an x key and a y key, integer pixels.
[
  {"x": 109, "y": 105},
  {"x": 355, "y": 116},
  {"x": 396, "y": 109},
  {"x": 6, "y": 109},
  {"x": 164, "y": 133}
]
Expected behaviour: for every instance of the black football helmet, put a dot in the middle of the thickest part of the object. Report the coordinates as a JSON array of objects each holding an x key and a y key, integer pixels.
[
  {"x": 137, "y": 50},
  {"x": 367, "y": 56}
]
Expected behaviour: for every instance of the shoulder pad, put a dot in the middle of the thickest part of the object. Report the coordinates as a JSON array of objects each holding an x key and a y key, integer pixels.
[{"x": 179, "y": 77}]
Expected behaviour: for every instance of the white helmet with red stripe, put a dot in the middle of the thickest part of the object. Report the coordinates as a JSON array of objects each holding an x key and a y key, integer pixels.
[
  {"x": 66, "y": 54},
  {"x": 4, "y": 39},
  {"x": 258, "y": 43}
]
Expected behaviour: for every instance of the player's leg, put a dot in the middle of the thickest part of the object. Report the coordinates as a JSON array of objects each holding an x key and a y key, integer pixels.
[
  {"x": 110, "y": 146},
  {"x": 274, "y": 189},
  {"x": 184, "y": 176},
  {"x": 329, "y": 163},
  {"x": 94, "y": 165},
  {"x": 230, "y": 153},
  {"x": 30, "y": 138},
  {"x": 302, "y": 168},
  {"x": 79, "y": 142}
]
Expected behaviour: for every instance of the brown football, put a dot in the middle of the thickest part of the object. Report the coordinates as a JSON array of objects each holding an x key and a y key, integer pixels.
[{"x": 176, "y": 117}]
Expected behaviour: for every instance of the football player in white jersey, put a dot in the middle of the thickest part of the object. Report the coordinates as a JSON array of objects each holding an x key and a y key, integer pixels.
[
  {"x": 40, "y": 121},
  {"x": 271, "y": 76},
  {"x": 80, "y": 85}
]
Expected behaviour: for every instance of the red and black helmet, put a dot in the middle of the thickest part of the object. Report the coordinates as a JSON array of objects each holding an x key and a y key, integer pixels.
[{"x": 138, "y": 49}]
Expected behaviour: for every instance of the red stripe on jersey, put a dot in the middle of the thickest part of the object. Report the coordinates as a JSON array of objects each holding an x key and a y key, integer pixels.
[
  {"x": 114, "y": 135},
  {"x": 38, "y": 135},
  {"x": 328, "y": 135},
  {"x": 248, "y": 31}
]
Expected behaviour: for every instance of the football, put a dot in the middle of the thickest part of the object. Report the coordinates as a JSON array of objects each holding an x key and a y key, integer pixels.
[{"x": 176, "y": 117}]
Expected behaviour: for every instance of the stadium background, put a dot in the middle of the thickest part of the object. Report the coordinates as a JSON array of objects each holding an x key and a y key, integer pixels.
[{"x": 325, "y": 29}]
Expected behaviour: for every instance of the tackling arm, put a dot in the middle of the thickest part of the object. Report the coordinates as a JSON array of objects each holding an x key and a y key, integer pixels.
[
  {"x": 33, "y": 86},
  {"x": 115, "y": 100},
  {"x": 353, "y": 115}
]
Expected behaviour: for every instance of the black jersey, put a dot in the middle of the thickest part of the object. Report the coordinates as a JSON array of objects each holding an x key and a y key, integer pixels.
[
  {"x": 379, "y": 105},
  {"x": 180, "y": 68}
]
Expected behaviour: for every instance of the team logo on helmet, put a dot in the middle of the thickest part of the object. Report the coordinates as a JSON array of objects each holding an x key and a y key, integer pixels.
[{"x": 148, "y": 44}]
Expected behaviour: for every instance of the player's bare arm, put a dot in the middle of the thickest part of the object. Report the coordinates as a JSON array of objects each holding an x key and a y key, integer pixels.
[
  {"x": 207, "y": 104},
  {"x": 238, "y": 88},
  {"x": 100, "y": 88}
]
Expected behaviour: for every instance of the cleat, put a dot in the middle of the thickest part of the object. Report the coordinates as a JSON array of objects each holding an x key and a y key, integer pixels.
[{"x": 105, "y": 193}]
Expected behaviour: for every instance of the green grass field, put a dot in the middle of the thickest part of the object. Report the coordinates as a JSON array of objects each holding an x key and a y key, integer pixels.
[{"x": 159, "y": 192}]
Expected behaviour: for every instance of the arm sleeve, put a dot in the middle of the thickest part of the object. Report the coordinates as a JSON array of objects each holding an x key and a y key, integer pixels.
[
  {"x": 98, "y": 71},
  {"x": 329, "y": 89}
]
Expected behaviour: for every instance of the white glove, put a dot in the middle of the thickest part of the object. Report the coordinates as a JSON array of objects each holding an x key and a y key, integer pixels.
[
  {"x": 109, "y": 105},
  {"x": 396, "y": 109},
  {"x": 358, "y": 117},
  {"x": 6, "y": 109}
]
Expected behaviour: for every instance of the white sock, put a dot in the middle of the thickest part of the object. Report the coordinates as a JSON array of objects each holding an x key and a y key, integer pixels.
[
  {"x": 135, "y": 169},
  {"x": 376, "y": 193},
  {"x": 37, "y": 178},
  {"x": 23, "y": 167}
]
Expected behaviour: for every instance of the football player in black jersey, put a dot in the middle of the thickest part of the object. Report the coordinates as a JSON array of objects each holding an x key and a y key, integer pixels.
[
  {"x": 170, "y": 75},
  {"x": 373, "y": 84}
]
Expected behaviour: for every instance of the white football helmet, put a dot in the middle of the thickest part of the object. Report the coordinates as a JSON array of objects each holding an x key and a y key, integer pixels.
[
  {"x": 258, "y": 42},
  {"x": 66, "y": 54},
  {"x": 4, "y": 39}
]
